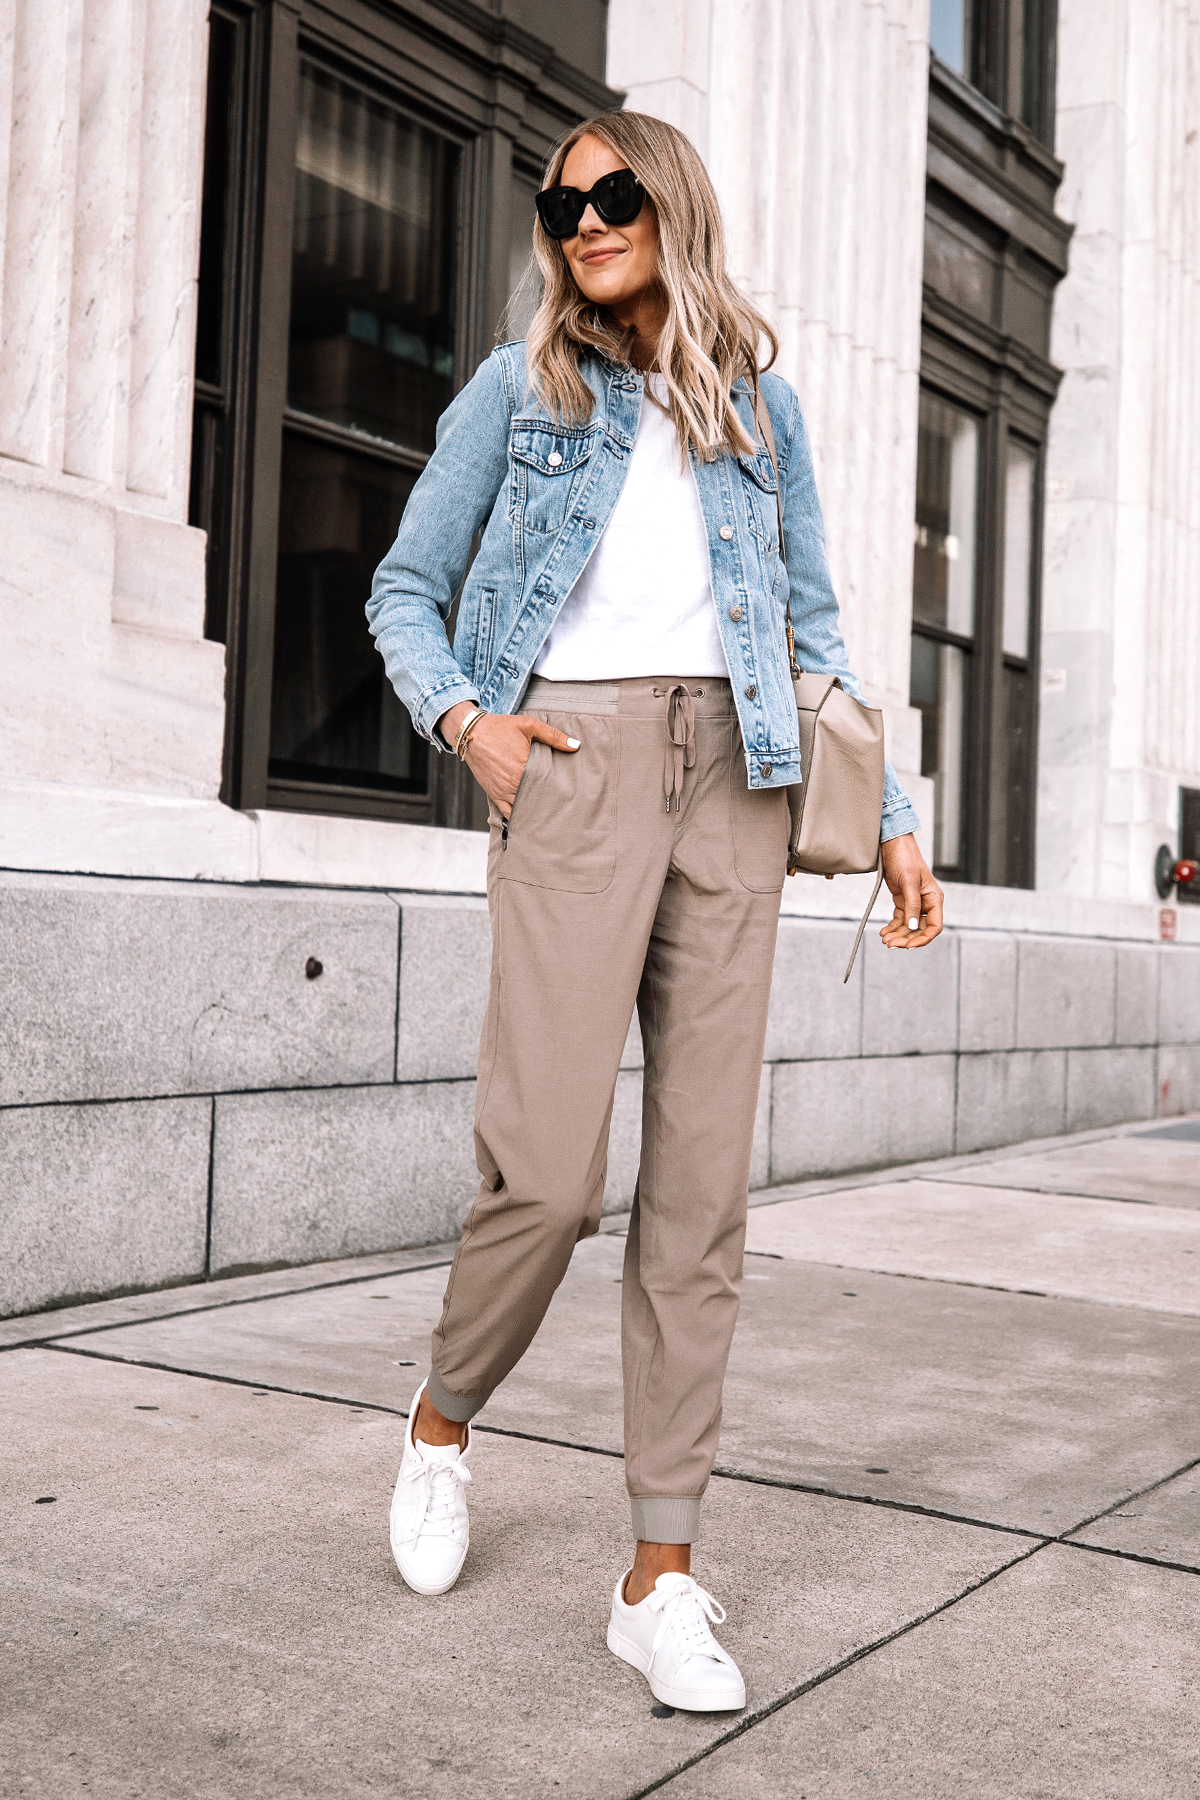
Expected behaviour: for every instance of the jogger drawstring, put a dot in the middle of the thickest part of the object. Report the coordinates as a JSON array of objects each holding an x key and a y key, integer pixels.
[{"x": 681, "y": 740}]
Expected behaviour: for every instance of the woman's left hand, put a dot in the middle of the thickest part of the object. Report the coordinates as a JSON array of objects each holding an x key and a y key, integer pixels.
[{"x": 916, "y": 896}]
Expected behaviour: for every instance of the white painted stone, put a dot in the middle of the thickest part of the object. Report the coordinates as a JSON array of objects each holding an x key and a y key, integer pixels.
[
  {"x": 814, "y": 1012},
  {"x": 987, "y": 991},
  {"x": 1137, "y": 995},
  {"x": 1066, "y": 993},
  {"x": 1178, "y": 1079},
  {"x": 107, "y": 831},
  {"x": 859, "y": 1114},
  {"x": 101, "y": 1198},
  {"x": 162, "y": 328},
  {"x": 308, "y": 847},
  {"x": 910, "y": 1001},
  {"x": 1179, "y": 996},
  {"x": 445, "y": 959},
  {"x": 84, "y": 699},
  {"x": 1004, "y": 1097},
  {"x": 1106, "y": 1087},
  {"x": 1122, "y": 536},
  {"x": 101, "y": 267},
  {"x": 158, "y": 575},
  {"x": 125, "y": 989},
  {"x": 298, "y": 1177},
  {"x": 106, "y": 680}
]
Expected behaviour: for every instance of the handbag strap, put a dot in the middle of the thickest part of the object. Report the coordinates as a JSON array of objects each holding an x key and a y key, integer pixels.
[{"x": 766, "y": 435}]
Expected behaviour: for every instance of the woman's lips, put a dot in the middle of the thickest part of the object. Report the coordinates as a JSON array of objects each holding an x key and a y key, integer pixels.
[{"x": 596, "y": 256}]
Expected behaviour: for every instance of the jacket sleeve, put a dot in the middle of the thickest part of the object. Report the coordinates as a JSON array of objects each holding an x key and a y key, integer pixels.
[
  {"x": 415, "y": 584},
  {"x": 819, "y": 643}
]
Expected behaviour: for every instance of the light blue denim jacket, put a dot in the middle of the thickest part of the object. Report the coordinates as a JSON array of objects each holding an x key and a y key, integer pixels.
[{"x": 543, "y": 492}]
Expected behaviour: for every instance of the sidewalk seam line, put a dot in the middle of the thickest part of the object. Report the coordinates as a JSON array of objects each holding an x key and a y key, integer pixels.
[
  {"x": 191, "y": 1312},
  {"x": 1137, "y": 1494},
  {"x": 827, "y": 1674},
  {"x": 1063, "y": 1541},
  {"x": 531, "y": 1437}
]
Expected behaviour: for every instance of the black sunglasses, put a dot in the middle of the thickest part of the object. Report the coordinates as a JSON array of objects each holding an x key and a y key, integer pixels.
[{"x": 617, "y": 198}]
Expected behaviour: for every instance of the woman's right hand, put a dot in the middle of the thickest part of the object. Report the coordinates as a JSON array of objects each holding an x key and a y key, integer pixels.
[{"x": 498, "y": 748}]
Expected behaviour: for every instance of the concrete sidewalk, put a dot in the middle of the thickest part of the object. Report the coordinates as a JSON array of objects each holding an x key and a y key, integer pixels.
[{"x": 956, "y": 1522}]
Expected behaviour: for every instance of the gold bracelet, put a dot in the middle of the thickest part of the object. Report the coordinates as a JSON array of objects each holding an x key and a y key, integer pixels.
[{"x": 464, "y": 736}]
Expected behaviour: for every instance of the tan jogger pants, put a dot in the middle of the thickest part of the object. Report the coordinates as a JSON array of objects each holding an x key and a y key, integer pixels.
[{"x": 641, "y": 868}]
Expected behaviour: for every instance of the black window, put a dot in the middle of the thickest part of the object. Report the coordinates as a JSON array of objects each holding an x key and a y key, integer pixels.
[
  {"x": 994, "y": 251},
  {"x": 363, "y": 219},
  {"x": 945, "y": 573},
  {"x": 1005, "y": 48},
  {"x": 371, "y": 363}
]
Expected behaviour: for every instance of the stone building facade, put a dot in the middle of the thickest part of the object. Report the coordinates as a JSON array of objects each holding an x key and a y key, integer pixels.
[{"x": 247, "y": 250}]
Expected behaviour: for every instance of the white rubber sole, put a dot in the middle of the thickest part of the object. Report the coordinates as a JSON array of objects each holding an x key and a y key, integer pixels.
[
  {"x": 683, "y": 1699},
  {"x": 419, "y": 1587}
]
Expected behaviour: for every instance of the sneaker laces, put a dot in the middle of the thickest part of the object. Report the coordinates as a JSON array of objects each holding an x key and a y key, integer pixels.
[
  {"x": 442, "y": 1483},
  {"x": 686, "y": 1610}
]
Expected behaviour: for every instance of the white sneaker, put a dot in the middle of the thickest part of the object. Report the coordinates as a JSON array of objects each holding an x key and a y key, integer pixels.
[
  {"x": 429, "y": 1528},
  {"x": 666, "y": 1636}
]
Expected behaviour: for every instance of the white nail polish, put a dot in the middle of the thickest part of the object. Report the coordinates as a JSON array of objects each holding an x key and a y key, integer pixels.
[
  {"x": 573, "y": 743},
  {"x": 913, "y": 923}
]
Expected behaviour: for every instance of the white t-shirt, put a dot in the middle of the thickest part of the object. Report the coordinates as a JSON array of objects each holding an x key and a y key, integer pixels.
[{"x": 644, "y": 604}]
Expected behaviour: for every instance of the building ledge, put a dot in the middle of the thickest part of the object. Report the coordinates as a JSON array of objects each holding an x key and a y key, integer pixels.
[{"x": 51, "y": 828}]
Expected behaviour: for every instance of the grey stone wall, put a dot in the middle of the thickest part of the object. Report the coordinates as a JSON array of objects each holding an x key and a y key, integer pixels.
[{"x": 179, "y": 1098}]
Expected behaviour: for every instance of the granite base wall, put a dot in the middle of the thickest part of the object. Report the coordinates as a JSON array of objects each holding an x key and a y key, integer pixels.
[{"x": 183, "y": 1095}]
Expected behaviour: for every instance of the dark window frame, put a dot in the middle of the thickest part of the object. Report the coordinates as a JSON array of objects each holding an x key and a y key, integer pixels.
[
  {"x": 976, "y": 708},
  {"x": 988, "y": 179},
  {"x": 502, "y": 98},
  {"x": 1011, "y": 60}
]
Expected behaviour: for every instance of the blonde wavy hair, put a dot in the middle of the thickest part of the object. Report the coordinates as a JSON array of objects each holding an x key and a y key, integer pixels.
[{"x": 712, "y": 332}]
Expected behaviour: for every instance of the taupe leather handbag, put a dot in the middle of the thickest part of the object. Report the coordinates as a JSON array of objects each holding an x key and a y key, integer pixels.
[{"x": 837, "y": 808}]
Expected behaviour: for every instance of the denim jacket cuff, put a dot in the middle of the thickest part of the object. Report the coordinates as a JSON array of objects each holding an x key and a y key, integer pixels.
[
  {"x": 438, "y": 701},
  {"x": 898, "y": 821}
]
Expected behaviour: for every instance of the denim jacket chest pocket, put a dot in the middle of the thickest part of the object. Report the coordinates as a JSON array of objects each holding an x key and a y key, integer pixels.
[
  {"x": 546, "y": 462},
  {"x": 759, "y": 490}
]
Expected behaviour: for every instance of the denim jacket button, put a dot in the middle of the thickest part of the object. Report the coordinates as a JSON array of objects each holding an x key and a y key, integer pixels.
[
  {"x": 751, "y": 692},
  {"x": 764, "y": 770},
  {"x": 554, "y": 459},
  {"x": 736, "y": 614},
  {"x": 726, "y": 532}
]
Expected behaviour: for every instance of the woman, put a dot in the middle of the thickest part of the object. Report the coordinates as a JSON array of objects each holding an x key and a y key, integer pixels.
[{"x": 628, "y": 597}]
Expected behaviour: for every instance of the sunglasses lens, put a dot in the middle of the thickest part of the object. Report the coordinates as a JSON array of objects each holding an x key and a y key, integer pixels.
[
  {"x": 560, "y": 210},
  {"x": 619, "y": 197}
]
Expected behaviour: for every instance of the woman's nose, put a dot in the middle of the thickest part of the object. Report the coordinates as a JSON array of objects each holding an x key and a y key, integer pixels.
[{"x": 591, "y": 220}]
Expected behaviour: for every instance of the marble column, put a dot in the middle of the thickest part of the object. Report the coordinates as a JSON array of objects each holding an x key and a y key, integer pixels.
[
  {"x": 1121, "y": 625},
  {"x": 107, "y": 683},
  {"x": 811, "y": 117}
]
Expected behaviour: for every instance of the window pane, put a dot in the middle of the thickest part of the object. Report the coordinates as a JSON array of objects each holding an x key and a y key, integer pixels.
[
  {"x": 1037, "y": 23},
  {"x": 947, "y": 487},
  {"x": 939, "y": 678},
  {"x": 1018, "y": 546},
  {"x": 372, "y": 328},
  {"x": 217, "y": 201},
  {"x": 334, "y": 715},
  {"x": 950, "y": 33}
]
